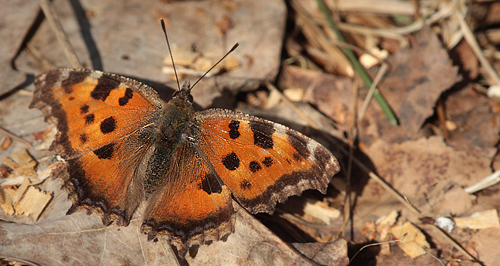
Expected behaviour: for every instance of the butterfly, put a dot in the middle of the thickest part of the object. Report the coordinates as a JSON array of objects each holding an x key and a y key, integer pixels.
[{"x": 124, "y": 146}]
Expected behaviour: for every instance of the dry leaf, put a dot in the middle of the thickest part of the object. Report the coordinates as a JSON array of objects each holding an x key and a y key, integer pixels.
[
  {"x": 16, "y": 19},
  {"x": 412, "y": 241},
  {"x": 417, "y": 77}
]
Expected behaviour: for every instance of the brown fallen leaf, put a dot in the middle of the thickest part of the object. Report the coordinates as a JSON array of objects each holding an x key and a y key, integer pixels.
[
  {"x": 412, "y": 241},
  {"x": 485, "y": 243},
  {"x": 417, "y": 76},
  {"x": 331, "y": 94},
  {"x": 16, "y": 20},
  {"x": 251, "y": 244},
  {"x": 478, "y": 127}
]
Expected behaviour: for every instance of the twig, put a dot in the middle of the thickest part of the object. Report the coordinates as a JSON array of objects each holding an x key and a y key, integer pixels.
[
  {"x": 486, "y": 182},
  {"x": 14, "y": 137},
  {"x": 471, "y": 40},
  {"x": 53, "y": 21},
  {"x": 368, "y": 98}
]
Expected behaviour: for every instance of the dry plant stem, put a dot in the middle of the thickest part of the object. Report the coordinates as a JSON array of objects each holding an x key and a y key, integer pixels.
[
  {"x": 291, "y": 217},
  {"x": 355, "y": 63},
  {"x": 14, "y": 137},
  {"x": 352, "y": 139},
  {"x": 32, "y": 51},
  {"x": 397, "y": 33},
  {"x": 317, "y": 38},
  {"x": 372, "y": 89},
  {"x": 471, "y": 40},
  {"x": 53, "y": 21},
  {"x": 167, "y": 248},
  {"x": 416, "y": 5},
  {"x": 486, "y": 182}
]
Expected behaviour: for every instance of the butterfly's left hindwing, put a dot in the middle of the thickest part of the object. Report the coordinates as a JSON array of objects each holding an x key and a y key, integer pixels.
[{"x": 192, "y": 206}]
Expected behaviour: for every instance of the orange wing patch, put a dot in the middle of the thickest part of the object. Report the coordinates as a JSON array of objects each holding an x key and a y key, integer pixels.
[
  {"x": 91, "y": 108},
  {"x": 195, "y": 209},
  {"x": 106, "y": 180},
  {"x": 262, "y": 162}
]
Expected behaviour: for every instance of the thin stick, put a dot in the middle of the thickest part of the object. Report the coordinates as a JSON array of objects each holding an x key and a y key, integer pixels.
[
  {"x": 53, "y": 21},
  {"x": 14, "y": 137},
  {"x": 372, "y": 89},
  {"x": 471, "y": 40}
]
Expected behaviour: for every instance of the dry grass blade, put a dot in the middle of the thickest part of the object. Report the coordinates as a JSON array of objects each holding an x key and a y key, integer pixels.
[
  {"x": 471, "y": 40},
  {"x": 14, "y": 137},
  {"x": 53, "y": 20}
]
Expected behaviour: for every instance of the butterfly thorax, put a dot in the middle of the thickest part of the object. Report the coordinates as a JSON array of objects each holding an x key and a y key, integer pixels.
[
  {"x": 173, "y": 122},
  {"x": 176, "y": 115}
]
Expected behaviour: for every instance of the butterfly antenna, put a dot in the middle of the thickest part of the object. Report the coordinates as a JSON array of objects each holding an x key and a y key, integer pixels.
[
  {"x": 170, "y": 51},
  {"x": 230, "y": 51}
]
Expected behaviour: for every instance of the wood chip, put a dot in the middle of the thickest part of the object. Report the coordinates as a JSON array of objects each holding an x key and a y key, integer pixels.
[
  {"x": 321, "y": 211},
  {"x": 479, "y": 220},
  {"x": 32, "y": 203},
  {"x": 22, "y": 163}
]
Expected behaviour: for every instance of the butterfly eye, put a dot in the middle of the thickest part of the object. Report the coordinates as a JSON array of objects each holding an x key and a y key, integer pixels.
[
  {"x": 175, "y": 94},
  {"x": 190, "y": 98}
]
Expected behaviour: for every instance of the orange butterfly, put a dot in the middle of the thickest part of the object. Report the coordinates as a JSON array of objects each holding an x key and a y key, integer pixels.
[{"x": 124, "y": 145}]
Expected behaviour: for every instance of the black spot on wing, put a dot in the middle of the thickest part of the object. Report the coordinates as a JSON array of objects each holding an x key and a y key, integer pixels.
[
  {"x": 254, "y": 166},
  {"x": 104, "y": 87},
  {"x": 210, "y": 184},
  {"x": 268, "y": 161},
  {"x": 234, "y": 126},
  {"x": 108, "y": 125},
  {"x": 105, "y": 152},
  {"x": 83, "y": 138},
  {"x": 231, "y": 161},
  {"x": 262, "y": 134},
  {"x": 89, "y": 119},
  {"x": 246, "y": 184},
  {"x": 74, "y": 77},
  {"x": 84, "y": 109},
  {"x": 128, "y": 95}
]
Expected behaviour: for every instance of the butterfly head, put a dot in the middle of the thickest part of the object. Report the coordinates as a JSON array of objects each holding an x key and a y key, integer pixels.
[{"x": 184, "y": 94}]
